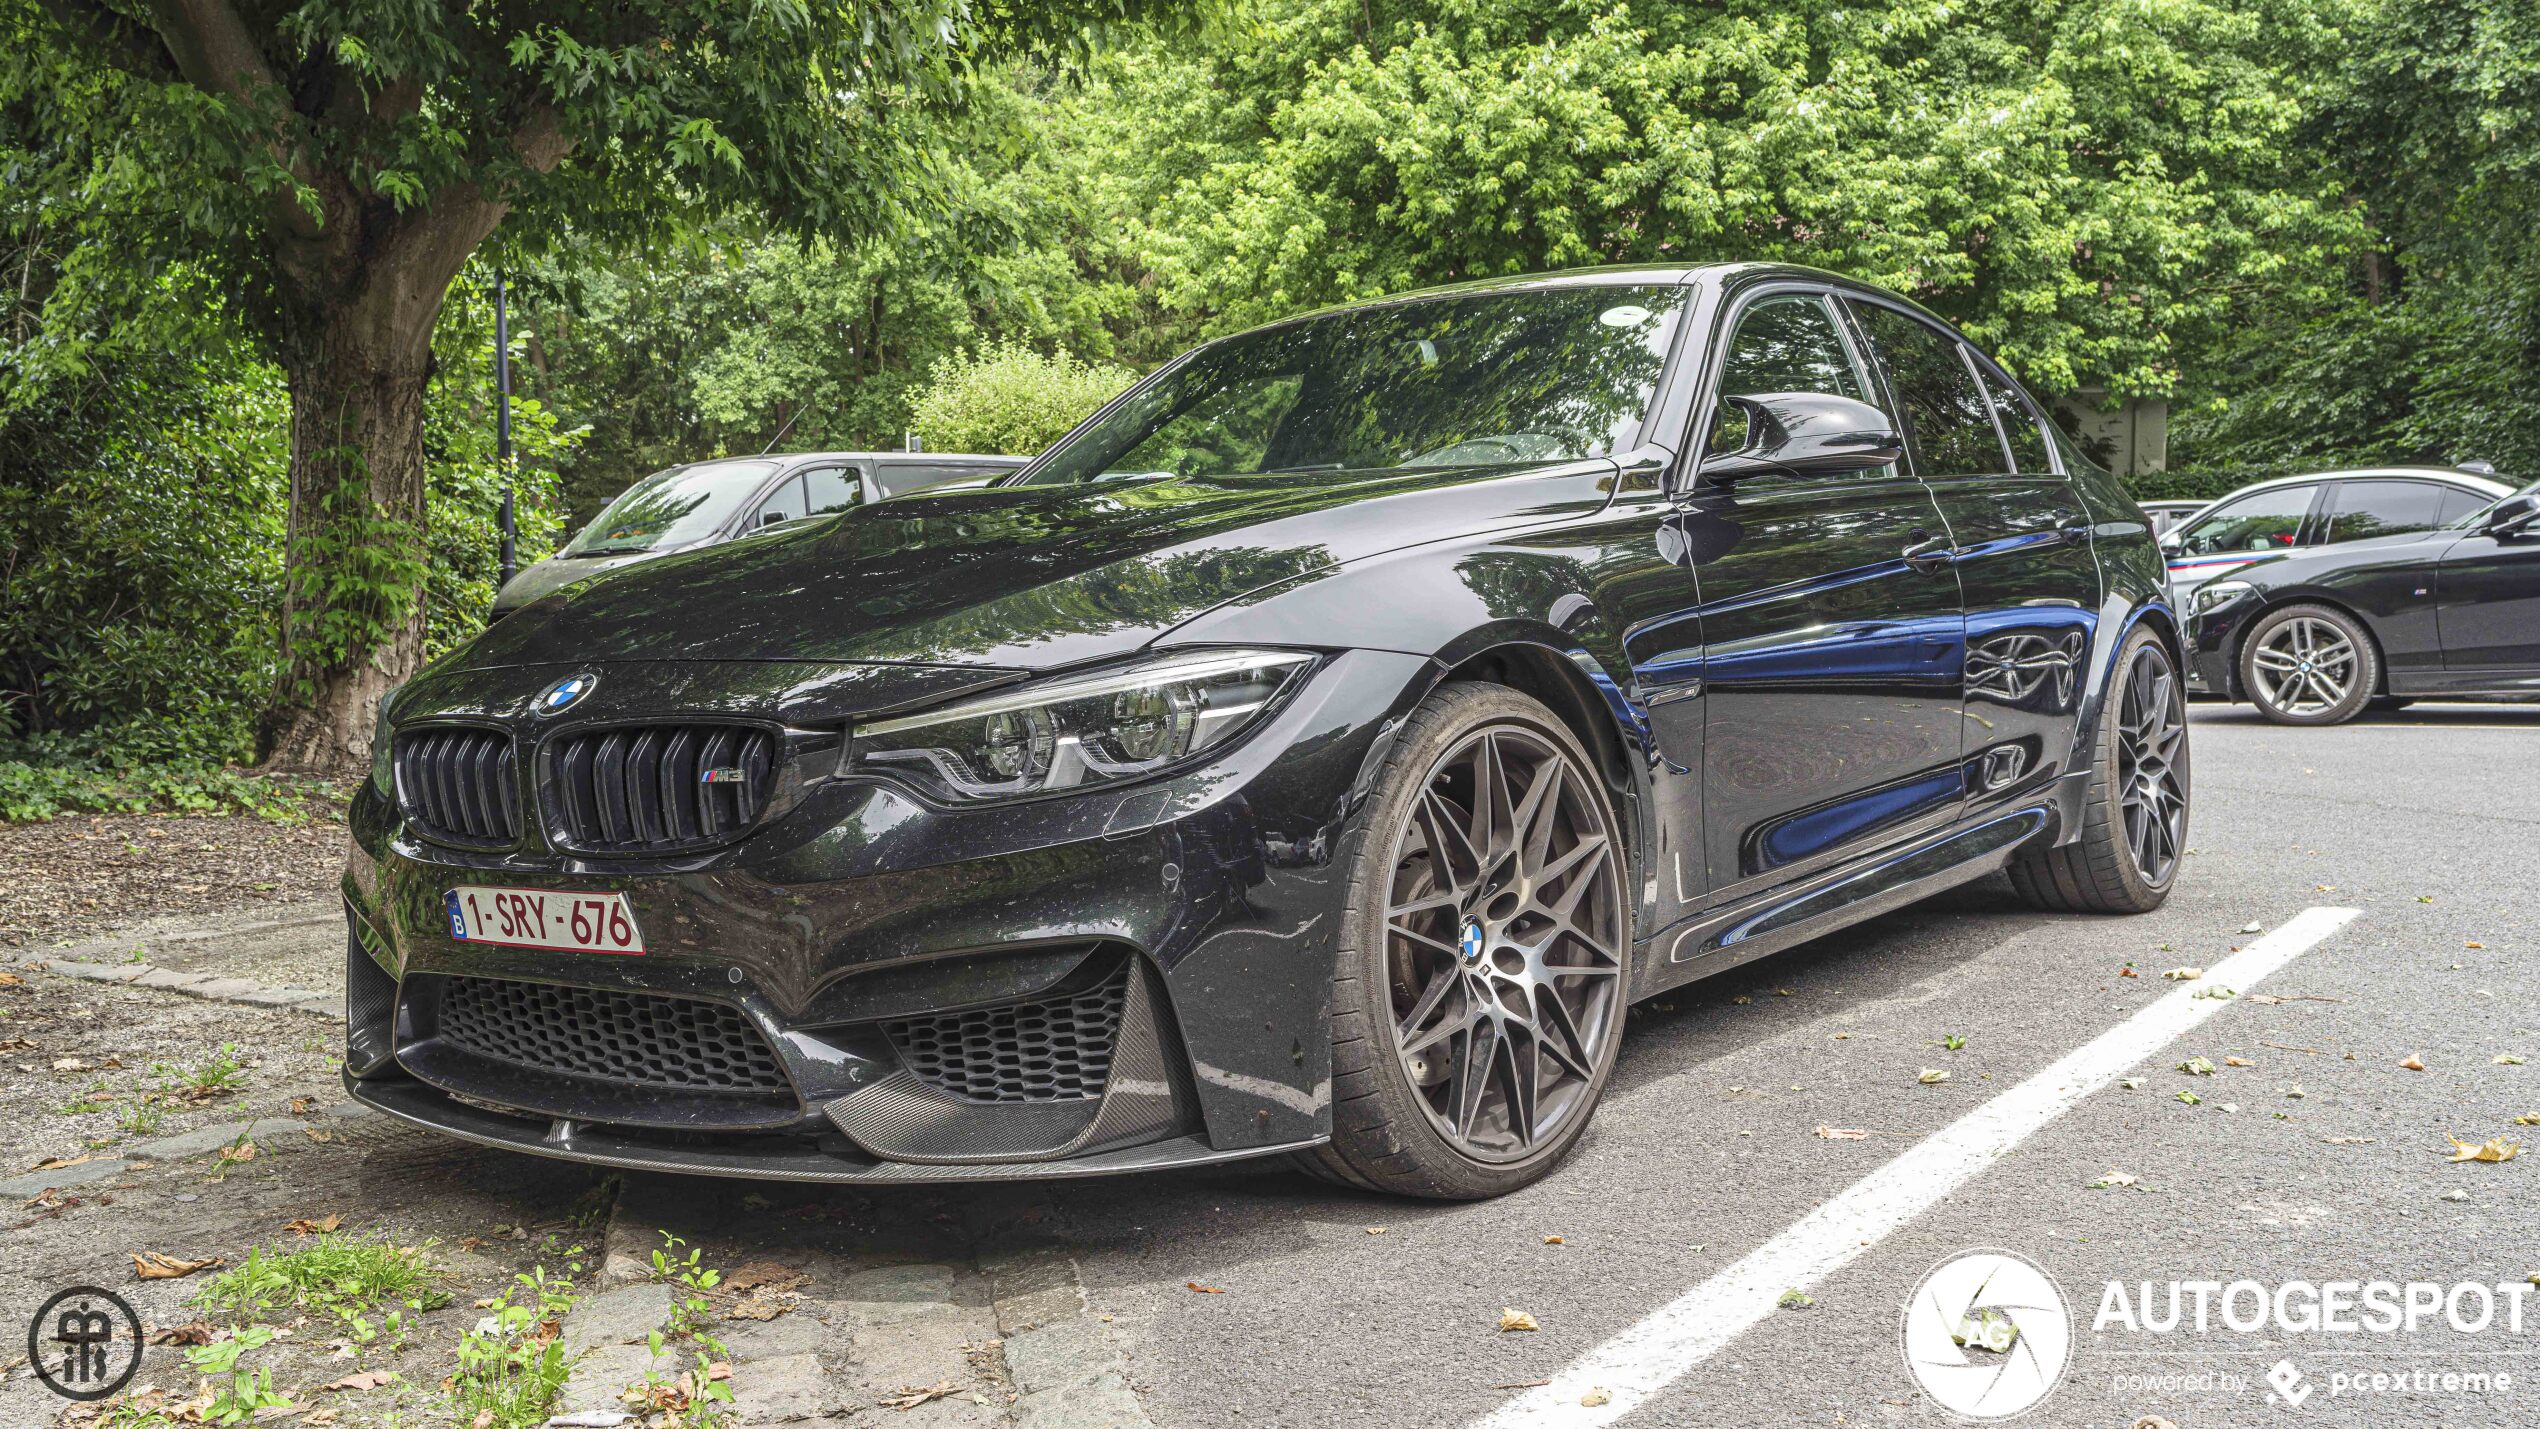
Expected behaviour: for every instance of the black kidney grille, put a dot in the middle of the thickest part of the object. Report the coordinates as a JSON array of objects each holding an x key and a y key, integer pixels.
[
  {"x": 616, "y": 1036},
  {"x": 643, "y": 788},
  {"x": 1049, "y": 1050},
  {"x": 456, "y": 784}
]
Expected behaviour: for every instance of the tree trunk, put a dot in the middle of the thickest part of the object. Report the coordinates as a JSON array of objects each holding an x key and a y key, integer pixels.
[{"x": 354, "y": 566}]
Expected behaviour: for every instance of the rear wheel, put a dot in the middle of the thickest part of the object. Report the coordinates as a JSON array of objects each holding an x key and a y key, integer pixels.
[
  {"x": 1478, "y": 996},
  {"x": 2309, "y": 664},
  {"x": 2134, "y": 817}
]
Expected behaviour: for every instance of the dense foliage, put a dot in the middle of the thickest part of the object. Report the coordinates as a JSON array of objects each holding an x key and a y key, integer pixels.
[{"x": 2306, "y": 225}]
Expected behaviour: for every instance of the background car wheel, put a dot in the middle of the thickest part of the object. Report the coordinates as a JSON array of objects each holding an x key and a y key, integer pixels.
[
  {"x": 2134, "y": 819},
  {"x": 1479, "y": 991},
  {"x": 2309, "y": 664}
]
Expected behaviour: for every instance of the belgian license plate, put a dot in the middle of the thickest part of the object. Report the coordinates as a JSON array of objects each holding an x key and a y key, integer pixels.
[{"x": 545, "y": 918}]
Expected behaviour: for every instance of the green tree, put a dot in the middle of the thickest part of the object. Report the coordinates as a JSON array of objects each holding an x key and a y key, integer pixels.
[
  {"x": 334, "y": 166},
  {"x": 1009, "y": 399}
]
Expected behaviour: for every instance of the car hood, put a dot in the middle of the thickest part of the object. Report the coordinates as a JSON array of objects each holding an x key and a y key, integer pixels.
[
  {"x": 1027, "y": 577},
  {"x": 543, "y": 578}
]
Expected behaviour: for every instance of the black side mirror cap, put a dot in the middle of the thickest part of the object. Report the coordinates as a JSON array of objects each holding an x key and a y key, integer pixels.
[
  {"x": 2513, "y": 515},
  {"x": 770, "y": 518},
  {"x": 1806, "y": 434}
]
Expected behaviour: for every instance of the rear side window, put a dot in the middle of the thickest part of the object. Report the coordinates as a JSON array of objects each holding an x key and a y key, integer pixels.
[
  {"x": 2261, "y": 521},
  {"x": 829, "y": 488},
  {"x": 1948, "y": 418},
  {"x": 2360, "y": 509},
  {"x": 2019, "y": 424}
]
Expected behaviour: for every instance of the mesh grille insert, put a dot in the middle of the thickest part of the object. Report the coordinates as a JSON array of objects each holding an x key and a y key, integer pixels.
[
  {"x": 1048, "y": 1050},
  {"x": 617, "y": 1036}
]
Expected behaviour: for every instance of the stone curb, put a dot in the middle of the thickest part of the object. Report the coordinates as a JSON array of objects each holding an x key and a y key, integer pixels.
[
  {"x": 203, "y": 985},
  {"x": 1065, "y": 1365},
  {"x": 201, "y": 1141}
]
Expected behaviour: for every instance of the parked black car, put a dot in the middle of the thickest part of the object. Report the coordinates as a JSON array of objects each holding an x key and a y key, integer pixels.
[
  {"x": 680, "y": 508},
  {"x": 1317, "y": 751},
  {"x": 2319, "y": 636}
]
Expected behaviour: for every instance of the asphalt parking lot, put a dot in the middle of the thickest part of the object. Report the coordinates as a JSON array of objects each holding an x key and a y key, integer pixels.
[{"x": 1653, "y": 1266}]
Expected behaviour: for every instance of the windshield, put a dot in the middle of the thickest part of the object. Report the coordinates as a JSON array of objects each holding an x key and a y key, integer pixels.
[
  {"x": 2479, "y": 516},
  {"x": 670, "y": 508},
  {"x": 1491, "y": 380}
]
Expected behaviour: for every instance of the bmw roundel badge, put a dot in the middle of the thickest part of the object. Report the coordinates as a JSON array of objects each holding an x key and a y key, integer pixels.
[{"x": 558, "y": 696}]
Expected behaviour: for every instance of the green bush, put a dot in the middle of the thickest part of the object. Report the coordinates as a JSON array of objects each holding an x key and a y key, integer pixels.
[
  {"x": 1010, "y": 400},
  {"x": 2208, "y": 483}
]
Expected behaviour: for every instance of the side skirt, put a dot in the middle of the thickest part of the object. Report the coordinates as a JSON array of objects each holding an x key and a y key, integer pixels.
[{"x": 1724, "y": 938}]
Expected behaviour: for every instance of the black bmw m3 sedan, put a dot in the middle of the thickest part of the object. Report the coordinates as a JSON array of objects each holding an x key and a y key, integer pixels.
[{"x": 1316, "y": 752}]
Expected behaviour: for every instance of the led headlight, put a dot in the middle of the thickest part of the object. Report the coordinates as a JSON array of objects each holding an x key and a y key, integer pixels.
[
  {"x": 1080, "y": 730},
  {"x": 2214, "y": 595}
]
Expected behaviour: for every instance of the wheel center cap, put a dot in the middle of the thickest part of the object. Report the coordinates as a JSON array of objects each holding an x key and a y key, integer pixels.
[{"x": 1470, "y": 943}]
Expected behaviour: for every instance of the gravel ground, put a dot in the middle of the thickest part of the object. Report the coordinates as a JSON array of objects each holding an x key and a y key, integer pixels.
[{"x": 79, "y": 877}]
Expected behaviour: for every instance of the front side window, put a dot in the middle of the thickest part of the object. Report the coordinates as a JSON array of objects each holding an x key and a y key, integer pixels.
[
  {"x": 1947, "y": 416},
  {"x": 2384, "y": 508},
  {"x": 785, "y": 503},
  {"x": 2261, "y": 521},
  {"x": 1496, "y": 379},
  {"x": 670, "y": 509},
  {"x": 1784, "y": 343}
]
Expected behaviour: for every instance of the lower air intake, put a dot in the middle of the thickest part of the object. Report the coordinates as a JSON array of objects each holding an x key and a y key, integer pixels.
[
  {"x": 1051, "y": 1049},
  {"x": 636, "y": 1039}
]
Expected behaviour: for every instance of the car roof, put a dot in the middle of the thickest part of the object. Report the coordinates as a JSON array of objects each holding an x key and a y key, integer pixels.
[
  {"x": 792, "y": 458},
  {"x": 1612, "y": 275},
  {"x": 2450, "y": 476}
]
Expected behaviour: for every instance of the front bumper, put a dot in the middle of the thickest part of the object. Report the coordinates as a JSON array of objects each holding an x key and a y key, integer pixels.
[{"x": 856, "y": 908}]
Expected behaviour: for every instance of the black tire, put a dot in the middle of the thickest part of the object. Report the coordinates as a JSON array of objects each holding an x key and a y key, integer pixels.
[
  {"x": 2105, "y": 870},
  {"x": 1385, "y": 1131},
  {"x": 2287, "y": 673}
]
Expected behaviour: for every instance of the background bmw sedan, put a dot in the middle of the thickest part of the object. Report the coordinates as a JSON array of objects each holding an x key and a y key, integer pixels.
[{"x": 1316, "y": 753}]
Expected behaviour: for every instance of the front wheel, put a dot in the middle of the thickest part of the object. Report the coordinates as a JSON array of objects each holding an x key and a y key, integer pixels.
[
  {"x": 2309, "y": 664},
  {"x": 2134, "y": 817},
  {"x": 1478, "y": 993}
]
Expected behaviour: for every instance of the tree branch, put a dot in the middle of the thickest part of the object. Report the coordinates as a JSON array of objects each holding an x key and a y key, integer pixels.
[{"x": 133, "y": 48}]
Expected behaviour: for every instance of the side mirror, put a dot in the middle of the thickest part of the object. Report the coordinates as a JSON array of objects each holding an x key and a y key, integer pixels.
[
  {"x": 2513, "y": 515},
  {"x": 1806, "y": 434},
  {"x": 770, "y": 518}
]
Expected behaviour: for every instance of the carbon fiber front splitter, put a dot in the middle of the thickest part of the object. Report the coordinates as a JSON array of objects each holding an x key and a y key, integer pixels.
[{"x": 764, "y": 1159}]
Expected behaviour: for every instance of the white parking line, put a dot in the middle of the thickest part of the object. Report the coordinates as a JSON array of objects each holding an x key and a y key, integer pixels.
[{"x": 1645, "y": 1358}]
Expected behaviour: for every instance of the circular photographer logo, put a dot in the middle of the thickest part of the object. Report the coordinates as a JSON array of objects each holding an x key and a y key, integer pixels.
[
  {"x": 85, "y": 1343},
  {"x": 1986, "y": 1334}
]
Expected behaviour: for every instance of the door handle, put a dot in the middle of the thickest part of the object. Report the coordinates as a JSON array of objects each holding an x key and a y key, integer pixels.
[
  {"x": 1931, "y": 554},
  {"x": 2074, "y": 533}
]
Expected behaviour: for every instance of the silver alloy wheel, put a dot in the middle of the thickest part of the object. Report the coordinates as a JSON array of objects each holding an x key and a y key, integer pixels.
[
  {"x": 1504, "y": 932},
  {"x": 2151, "y": 734},
  {"x": 2303, "y": 666}
]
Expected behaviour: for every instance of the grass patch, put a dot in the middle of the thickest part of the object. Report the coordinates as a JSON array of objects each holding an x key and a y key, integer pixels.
[
  {"x": 512, "y": 1365},
  {"x": 216, "y": 1075},
  {"x": 339, "y": 1273}
]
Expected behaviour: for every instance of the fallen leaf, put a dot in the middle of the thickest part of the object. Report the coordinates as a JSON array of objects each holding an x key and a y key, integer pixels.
[
  {"x": 2191, "y": 1098},
  {"x": 2197, "y": 1067},
  {"x": 2473, "y": 945},
  {"x": 2216, "y": 993},
  {"x": 242, "y": 1152},
  {"x": 2347, "y": 1140},
  {"x": 764, "y": 1274},
  {"x": 1375, "y": 1230},
  {"x": 2253, "y": 927},
  {"x": 1203, "y": 1289},
  {"x": 2184, "y": 974},
  {"x": 2131, "y": 1084},
  {"x": 2496, "y": 1149},
  {"x": 1795, "y": 1300},
  {"x": 56, "y": 1163},
  {"x": 318, "y": 1134},
  {"x": 367, "y": 1379},
  {"x": 302, "y": 1106},
  {"x": 69, "y": 1064},
  {"x": 1931, "y": 1076},
  {"x": 2533, "y": 1120},
  {"x": 2508, "y": 1059},
  {"x": 1741, "y": 999},
  {"x": 2414, "y": 1063},
  {"x": 320, "y": 1226},
  {"x": 150, "y": 1265},
  {"x": 1523, "y": 1384},
  {"x": 484, "y": 1420},
  {"x": 1839, "y": 1133},
  {"x": 910, "y": 1398},
  {"x": 2238, "y": 1062},
  {"x": 1552, "y": 1240},
  {"x": 757, "y": 1307},
  {"x": 1511, "y": 1320},
  {"x": 1595, "y": 1397},
  {"x": 2153, "y": 1421},
  {"x": 2113, "y": 1180},
  {"x": 2128, "y": 971},
  {"x": 196, "y": 1332}
]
